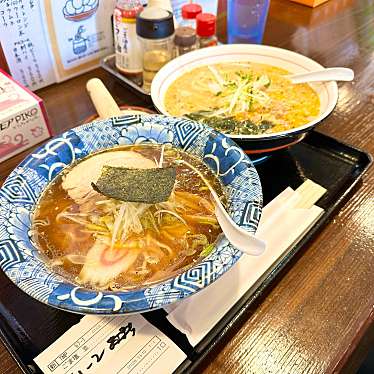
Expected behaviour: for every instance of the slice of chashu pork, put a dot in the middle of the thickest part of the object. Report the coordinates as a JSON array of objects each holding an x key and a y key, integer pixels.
[
  {"x": 102, "y": 264},
  {"x": 77, "y": 182}
]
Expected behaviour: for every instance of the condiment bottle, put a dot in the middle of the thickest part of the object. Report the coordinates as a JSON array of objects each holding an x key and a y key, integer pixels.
[
  {"x": 163, "y": 4},
  {"x": 189, "y": 14},
  {"x": 128, "y": 58},
  {"x": 185, "y": 40},
  {"x": 206, "y": 30},
  {"x": 155, "y": 29}
]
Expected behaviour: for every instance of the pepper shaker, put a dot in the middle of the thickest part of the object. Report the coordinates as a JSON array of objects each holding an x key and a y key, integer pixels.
[{"x": 185, "y": 40}]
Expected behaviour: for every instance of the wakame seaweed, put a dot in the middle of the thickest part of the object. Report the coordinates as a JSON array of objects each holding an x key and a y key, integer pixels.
[
  {"x": 136, "y": 185},
  {"x": 231, "y": 124}
]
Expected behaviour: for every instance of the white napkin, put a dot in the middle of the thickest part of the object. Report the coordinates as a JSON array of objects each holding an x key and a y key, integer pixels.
[{"x": 282, "y": 225}]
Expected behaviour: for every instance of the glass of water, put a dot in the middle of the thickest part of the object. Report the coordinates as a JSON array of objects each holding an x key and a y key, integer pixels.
[{"x": 246, "y": 20}]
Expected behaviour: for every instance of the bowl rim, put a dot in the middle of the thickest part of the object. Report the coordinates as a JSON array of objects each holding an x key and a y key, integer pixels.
[
  {"x": 245, "y": 49},
  {"x": 138, "y": 294},
  {"x": 123, "y": 108}
]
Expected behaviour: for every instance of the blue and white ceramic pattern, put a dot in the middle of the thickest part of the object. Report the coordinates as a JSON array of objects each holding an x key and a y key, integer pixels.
[{"x": 24, "y": 265}]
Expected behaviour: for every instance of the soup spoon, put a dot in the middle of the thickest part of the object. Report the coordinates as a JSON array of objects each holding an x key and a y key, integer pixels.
[
  {"x": 325, "y": 75},
  {"x": 103, "y": 101},
  {"x": 236, "y": 235}
]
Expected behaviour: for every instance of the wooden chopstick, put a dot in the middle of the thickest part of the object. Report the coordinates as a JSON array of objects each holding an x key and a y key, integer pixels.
[{"x": 310, "y": 193}]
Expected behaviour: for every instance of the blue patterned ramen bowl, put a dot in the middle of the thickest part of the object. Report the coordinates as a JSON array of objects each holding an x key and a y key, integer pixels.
[{"x": 24, "y": 265}]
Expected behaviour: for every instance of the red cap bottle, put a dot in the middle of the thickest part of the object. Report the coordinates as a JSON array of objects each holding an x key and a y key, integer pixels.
[
  {"x": 206, "y": 30},
  {"x": 206, "y": 25},
  {"x": 190, "y": 11}
]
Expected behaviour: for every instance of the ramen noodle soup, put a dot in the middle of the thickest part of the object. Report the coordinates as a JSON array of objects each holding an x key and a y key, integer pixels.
[
  {"x": 101, "y": 242},
  {"x": 242, "y": 98}
]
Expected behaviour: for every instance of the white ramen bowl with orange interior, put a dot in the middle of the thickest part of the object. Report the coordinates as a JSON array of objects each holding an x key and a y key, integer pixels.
[{"x": 25, "y": 265}]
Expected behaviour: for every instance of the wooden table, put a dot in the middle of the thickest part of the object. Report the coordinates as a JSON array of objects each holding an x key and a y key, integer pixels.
[{"x": 317, "y": 317}]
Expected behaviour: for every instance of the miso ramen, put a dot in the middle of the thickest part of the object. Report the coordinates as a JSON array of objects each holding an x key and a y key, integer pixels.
[
  {"x": 104, "y": 243},
  {"x": 242, "y": 98}
]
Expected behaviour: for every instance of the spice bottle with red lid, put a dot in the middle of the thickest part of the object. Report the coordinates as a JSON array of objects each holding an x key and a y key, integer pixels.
[
  {"x": 189, "y": 14},
  {"x": 206, "y": 30}
]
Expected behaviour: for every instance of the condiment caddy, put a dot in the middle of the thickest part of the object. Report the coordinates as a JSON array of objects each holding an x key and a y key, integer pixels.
[
  {"x": 131, "y": 82},
  {"x": 146, "y": 38}
]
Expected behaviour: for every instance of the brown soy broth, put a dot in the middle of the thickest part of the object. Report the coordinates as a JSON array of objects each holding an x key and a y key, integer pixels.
[
  {"x": 57, "y": 237},
  {"x": 61, "y": 238}
]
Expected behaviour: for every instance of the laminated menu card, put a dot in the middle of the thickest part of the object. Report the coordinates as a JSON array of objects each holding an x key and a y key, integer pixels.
[
  {"x": 25, "y": 43},
  {"x": 48, "y": 41},
  {"x": 80, "y": 34}
]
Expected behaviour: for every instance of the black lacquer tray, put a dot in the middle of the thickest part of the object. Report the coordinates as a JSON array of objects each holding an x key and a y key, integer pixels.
[{"x": 27, "y": 327}]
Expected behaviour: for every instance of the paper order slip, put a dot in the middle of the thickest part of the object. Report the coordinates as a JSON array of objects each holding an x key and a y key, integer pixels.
[{"x": 120, "y": 344}]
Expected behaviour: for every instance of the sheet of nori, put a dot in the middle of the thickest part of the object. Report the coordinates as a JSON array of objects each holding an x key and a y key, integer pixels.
[{"x": 136, "y": 185}]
